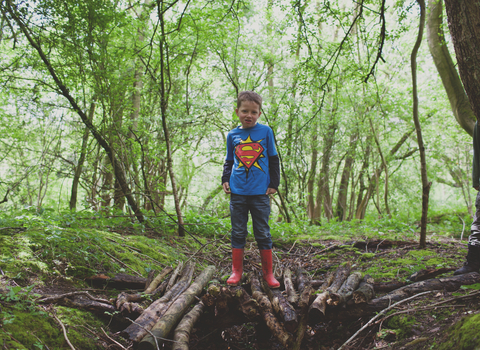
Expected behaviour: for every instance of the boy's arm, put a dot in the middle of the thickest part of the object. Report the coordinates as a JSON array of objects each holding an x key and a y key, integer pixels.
[
  {"x": 274, "y": 170},
  {"x": 227, "y": 172}
]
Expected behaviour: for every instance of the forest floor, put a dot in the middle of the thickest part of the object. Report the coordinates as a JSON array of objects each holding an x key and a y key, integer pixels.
[
  {"x": 416, "y": 327},
  {"x": 415, "y": 324}
]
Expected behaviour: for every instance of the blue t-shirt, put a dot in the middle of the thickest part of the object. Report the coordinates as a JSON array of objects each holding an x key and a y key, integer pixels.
[{"x": 250, "y": 149}]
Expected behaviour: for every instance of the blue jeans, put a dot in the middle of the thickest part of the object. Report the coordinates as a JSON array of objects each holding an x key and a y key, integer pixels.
[{"x": 259, "y": 208}]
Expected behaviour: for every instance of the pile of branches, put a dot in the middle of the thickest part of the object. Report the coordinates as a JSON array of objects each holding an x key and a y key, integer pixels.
[{"x": 168, "y": 308}]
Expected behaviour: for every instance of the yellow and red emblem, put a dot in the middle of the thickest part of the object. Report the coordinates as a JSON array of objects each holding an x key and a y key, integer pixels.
[{"x": 248, "y": 152}]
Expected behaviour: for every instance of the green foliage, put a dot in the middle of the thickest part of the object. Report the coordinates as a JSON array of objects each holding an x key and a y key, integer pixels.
[{"x": 402, "y": 324}]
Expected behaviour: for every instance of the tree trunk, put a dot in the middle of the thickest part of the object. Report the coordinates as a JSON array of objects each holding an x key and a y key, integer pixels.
[
  {"x": 181, "y": 335},
  {"x": 464, "y": 24},
  {"x": 446, "y": 68},
  {"x": 81, "y": 160},
  {"x": 164, "y": 70},
  {"x": 423, "y": 164},
  {"x": 341, "y": 210}
]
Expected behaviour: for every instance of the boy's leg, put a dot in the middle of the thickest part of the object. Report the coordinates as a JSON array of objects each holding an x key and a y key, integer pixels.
[
  {"x": 260, "y": 211},
  {"x": 473, "y": 256},
  {"x": 239, "y": 219}
]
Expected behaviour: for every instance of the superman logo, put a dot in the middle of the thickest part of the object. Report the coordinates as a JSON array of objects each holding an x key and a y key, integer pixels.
[{"x": 248, "y": 152}]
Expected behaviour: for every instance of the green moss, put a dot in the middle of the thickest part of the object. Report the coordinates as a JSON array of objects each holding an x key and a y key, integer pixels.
[
  {"x": 463, "y": 335},
  {"x": 402, "y": 325},
  {"x": 32, "y": 330}
]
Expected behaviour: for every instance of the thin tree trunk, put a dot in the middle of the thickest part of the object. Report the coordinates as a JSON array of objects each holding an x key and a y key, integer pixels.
[
  {"x": 341, "y": 210},
  {"x": 164, "y": 67},
  {"x": 423, "y": 164},
  {"x": 81, "y": 160}
]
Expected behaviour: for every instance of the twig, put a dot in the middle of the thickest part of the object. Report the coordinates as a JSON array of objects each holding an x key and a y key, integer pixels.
[
  {"x": 378, "y": 245},
  {"x": 1, "y": 272},
  {"x": 292, "y": 247},
  {"x": 430, "y": 307},
  {"x": 113, "y": 340},
  {"x": 67, "y": 295},
  {"x": 64, "y": 332},
  {"x": 378, "y": 316}
]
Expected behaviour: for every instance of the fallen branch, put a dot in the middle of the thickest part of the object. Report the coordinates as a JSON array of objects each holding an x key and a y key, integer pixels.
[
  {"x": 71, "y": 294},
  {"x": 380, "y": 314},
  {"x": 64, "y": 332}
]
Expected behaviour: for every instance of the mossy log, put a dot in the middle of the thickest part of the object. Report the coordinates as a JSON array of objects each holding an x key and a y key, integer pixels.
[
  {"x": 157, "y": 280},
  {"x": 266, "y": 311},
  {"x": 136, "y": 331},
  {"x": 317, "y": 308},
  {"x": 365, "y": 291},
  {"x": 449, "y": 284},
  {"x": 282, "y": 307},
  {"x": 167, "y": 322},
  {"x": 345, "y": 292},
  {"x": 292, "y": 295},
  {"x": 181, "y": 335}
]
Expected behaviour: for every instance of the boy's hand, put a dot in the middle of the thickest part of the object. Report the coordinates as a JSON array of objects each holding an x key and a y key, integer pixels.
[
  {"x": 271, "y": 191},
  {"x": 226, "y": 188}
]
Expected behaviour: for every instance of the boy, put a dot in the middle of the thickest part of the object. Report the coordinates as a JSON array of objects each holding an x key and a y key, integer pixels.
[
  {"x": 473, "y": 256},
  {"x": 250, "y": 174}
]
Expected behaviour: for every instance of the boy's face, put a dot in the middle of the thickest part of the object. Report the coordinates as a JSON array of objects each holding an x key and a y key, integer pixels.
[{"x": 248, "y": 113}]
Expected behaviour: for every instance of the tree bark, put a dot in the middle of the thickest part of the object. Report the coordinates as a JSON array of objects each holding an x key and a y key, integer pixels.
[
  {"x": 282, "y": 307},
  {"x": 341, "y": 210},
  {"x": 346, "y": 290},
  {"x": 365, "y": 291},
  {"x": 446, "y": 68},
  {"x": 464, "y": 24},
  {"x": 266, "y": 311},
  {"x": 165, "y": 324},
  {"x": 181, "y": 335}
]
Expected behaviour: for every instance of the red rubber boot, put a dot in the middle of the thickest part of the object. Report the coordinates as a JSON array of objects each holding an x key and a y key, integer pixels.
[
  {"x": 267, "y": 266},
  {"x": 237, "y": 267}
]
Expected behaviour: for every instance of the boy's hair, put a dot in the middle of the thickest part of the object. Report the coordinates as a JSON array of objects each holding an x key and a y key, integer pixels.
[{"x": 249, "y": 96}]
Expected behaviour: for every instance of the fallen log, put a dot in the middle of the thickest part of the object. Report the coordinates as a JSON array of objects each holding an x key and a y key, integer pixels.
[
  {"x": 165, "y": 324},
  {"x": 282, "y": 307},
  {"x": 216, "y": 296},
  {"x": 387, "y": 287},
  {"x": 317, "y": 308},
  {"x": 345, "y": 292},
  {"x": 292, "y": 295},
  {"x": 119, "y": 281},
  {"x": 449, "y": 284},
  {"x": 137, "y": 330},
  {"x": 277, "y": 328},
  {"x": 302, "y": 280},
  {"x": 365, "y": 291},
  {"x": 341, "y": 275},
  {"x": 154, "y": 284},
  {"x": 181, "y": 335},
  {"x": 426, "y": 274}
]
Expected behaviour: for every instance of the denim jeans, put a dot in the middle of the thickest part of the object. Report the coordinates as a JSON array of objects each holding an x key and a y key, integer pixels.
[
  {"x": 259, "y": 208},
  {"x": 474, "y": 238}
]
